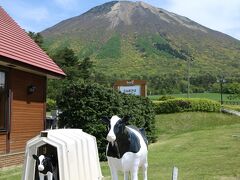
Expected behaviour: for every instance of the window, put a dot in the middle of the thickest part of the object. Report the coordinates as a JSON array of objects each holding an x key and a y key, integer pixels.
[{"x": 3, "y": 101}]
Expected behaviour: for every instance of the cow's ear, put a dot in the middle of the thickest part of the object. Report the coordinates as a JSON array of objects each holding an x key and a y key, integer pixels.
[
  {"x": 105, "y": 120},
  {"x": 126, "y": 118},
  {"x": 35, "y": 157}
]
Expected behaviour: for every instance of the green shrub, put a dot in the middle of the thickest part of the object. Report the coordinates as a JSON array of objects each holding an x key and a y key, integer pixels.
[
  {"x": 51, "y": 104},
  {"x": 83, "y": 105},
  {"x": 181, "y": 105},
  {"x": 205, "y": 105}
]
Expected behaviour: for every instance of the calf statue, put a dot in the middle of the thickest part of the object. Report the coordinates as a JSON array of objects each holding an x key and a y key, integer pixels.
[
  {"x": 45, "y": 167},
  {"x": 127, "y": 148}
]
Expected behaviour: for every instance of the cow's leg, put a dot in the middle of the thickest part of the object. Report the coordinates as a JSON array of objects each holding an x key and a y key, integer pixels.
[
  {"x": 134, "y": 169},
  {"x": 41, "y": 176},
  {"x": 144, "y": 168},
  {"x": 114, "y": 173},
  {"x": 134, "y": 174},
  {"x": 113, "y": 170},
  {"x": 126, "y": 174},
  {"x": 50, "y": 176}
]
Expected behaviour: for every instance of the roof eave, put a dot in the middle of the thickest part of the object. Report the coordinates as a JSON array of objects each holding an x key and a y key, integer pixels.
[{"x": 7, "y": 62}]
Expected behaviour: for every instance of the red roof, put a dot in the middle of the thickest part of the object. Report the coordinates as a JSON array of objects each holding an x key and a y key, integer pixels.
[{"x": 20, "y": 49}]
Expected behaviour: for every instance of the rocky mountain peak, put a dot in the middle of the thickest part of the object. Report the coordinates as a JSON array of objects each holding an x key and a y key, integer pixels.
[
  {"x": 126, "y": 17},
  {"x": 125, "y": 11}
]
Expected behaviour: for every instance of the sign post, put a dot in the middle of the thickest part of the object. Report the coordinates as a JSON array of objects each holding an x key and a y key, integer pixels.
[
  {"x": 135, "y": 87},
  {"x": 175, "y": 173}
]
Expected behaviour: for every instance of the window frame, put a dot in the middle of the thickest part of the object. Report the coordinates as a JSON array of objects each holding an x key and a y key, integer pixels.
[{"x": 6, "y": 110}]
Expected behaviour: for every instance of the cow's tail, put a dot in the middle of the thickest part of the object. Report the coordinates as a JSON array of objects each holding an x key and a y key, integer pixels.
[{"x": 143, "y": 133}]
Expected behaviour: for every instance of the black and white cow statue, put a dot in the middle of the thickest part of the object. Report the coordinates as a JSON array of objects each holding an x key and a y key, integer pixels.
[
  {"x": 45, "y": 166},
  {"x": 126, "y": 150}
]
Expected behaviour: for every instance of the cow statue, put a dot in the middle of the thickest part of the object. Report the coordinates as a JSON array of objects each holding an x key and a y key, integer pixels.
[
  {"x": 45, "y": 167},
  {"x": 127, "y": 148}
]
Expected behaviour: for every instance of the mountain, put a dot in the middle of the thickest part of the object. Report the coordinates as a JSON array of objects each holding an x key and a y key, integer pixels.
[{"x": 134, "y": 39}]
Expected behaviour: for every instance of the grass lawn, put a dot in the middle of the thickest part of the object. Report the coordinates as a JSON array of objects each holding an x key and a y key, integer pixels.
[
  {"x": 204, "y": 146},
  {"x": 11, "y": 173}
]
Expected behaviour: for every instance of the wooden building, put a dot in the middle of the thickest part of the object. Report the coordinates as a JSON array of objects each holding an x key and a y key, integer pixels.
[{"x": 24, "y": 69}]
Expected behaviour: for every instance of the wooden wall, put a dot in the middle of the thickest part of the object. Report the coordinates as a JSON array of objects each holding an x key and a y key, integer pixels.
[
  {"x": 27, "y": 110},
  {"x": 11, "y": 159},
  {"x": 3, "y": 143}
]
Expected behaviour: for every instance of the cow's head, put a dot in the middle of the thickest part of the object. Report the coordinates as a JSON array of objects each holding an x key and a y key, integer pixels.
[
  {"x": 41, "y": 161},
  {"x": 116, "y": 127}
]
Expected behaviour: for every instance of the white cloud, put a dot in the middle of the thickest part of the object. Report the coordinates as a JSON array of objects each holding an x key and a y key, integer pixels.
[
  {"x": 67, "y": 4},
  {"x": 29, "y": 16},
  {"x": 25, "y": 11},
  {"x": 35, "y": 14},
  {"x": 220, "y": 15}
]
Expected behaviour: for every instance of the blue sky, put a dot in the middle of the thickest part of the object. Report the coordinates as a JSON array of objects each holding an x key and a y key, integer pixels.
[{"x": 37, "y": 15}]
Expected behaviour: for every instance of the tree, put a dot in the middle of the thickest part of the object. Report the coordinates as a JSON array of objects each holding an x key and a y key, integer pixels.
[
  {"x": 86, "y": 69},
  {"x": 65, "y": 57},
  {"x": 37, "y": 37},
  {"x": 68, "y": 61},
  {"x": 75, "y": 70}
]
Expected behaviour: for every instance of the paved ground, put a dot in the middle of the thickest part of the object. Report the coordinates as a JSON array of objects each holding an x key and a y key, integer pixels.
[{"x": 231, "y": 112}]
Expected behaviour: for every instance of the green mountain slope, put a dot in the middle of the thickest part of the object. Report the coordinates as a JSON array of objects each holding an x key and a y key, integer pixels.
[{"x": 136, "y": 40}]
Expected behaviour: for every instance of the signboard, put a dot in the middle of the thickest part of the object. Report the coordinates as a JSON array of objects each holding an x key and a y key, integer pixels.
[
  {"x": 136, "y": 90},
  {"x": 136, "y": 87}
]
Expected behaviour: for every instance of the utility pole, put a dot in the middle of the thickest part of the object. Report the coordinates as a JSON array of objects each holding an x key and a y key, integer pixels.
[
  {"x": 189, "y": 60},
  {"x": 188, "y": 78}
]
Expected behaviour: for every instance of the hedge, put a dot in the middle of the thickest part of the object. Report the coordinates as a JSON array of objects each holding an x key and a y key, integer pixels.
[{"x": 183, "y": 104}]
